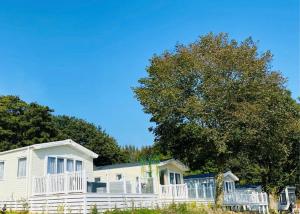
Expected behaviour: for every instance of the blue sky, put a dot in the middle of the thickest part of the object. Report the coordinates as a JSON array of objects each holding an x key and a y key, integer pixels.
[{"x": 81, "y": 58}]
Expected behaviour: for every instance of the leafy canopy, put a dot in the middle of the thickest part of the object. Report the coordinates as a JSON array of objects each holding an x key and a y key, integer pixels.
[
  {"x": 23, "y": 124},
  {"x": 91, "y": 137},
  {"x": 217, "y": 104}
]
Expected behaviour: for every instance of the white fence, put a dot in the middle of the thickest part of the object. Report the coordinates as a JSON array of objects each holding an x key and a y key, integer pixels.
[
  {"x": 83, "y": 202},
  {"x": 236, "y": 198},
  {"x": 254, "y": 201},
  {"x": 139, "y": 186},
  {"x": 174, "y": 191},
  {"x": 59, "y": 183}
]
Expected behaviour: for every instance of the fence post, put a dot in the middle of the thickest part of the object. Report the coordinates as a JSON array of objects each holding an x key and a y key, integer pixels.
[
  {"x": 140, "y": 185},
  {"x": 84, "y": 204},
  {"x": 84, "y": 181},
  {"x": 107, "y": 184},
  {"x": 66, "y": 182},
  {"x": 47, "y": 184},
  {"x": 124, "y": 185},
  {"x": 33, "y": 183},
  {"x": 211, "y": 190},
  {"x": 196, "y": 189},
  {"x": 186, "y": 191}
]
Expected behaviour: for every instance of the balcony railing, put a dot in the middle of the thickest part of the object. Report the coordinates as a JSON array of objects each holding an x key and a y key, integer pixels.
[
  {"x": 59, "y": 183},
  {"x": 242, "y": 198},
  {"x": 174, "y": 191}
]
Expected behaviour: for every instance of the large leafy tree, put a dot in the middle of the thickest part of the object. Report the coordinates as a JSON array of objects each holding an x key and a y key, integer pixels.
[
  {"x": 23, "y": 124},
  {"x": 91, "y": 137},
  {"x": 217, "y": 104}
]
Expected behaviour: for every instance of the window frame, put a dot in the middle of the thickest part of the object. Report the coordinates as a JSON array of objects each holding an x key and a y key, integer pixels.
[
  {"x": 174, "y": 178},
  {"x": 73, "y": 161},
  {"x": 2, "y": 161},
  {"x": 18, "y": 160},
  {"x": 72, "y": 158}
]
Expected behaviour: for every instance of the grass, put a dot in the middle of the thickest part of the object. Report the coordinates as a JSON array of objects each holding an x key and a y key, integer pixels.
[
  {"x": 173, "y": 209},
  {"x": 16, "y": 212}
]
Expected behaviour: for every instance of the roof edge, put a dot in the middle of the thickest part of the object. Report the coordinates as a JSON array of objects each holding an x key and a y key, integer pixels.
[{"x": 53, "y": 144}]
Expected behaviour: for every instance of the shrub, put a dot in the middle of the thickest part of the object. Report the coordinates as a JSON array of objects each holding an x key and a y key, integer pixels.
[{"x": 94, "y": 210}]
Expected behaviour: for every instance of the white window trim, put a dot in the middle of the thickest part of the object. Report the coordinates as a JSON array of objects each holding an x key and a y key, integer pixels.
[
  {"x": 175, "y": 172},
  {"x": 1, "y": 179},
  {"x": 65, "y": 163},
  {"x": 22, "y": 177}
]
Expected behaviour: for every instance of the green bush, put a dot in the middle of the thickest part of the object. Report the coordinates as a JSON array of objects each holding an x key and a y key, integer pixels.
[
  {"x": 16, "y": 212},
  {"x": 94, "y": 210},
  {"x": 171, "y": 209},
  {"x": 134, "y": 211}
]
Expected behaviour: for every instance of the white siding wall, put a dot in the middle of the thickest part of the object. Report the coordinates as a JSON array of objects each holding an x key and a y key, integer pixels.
[
  {"x": 130, "y": 173},
  {"x": 12, "y": 187}
]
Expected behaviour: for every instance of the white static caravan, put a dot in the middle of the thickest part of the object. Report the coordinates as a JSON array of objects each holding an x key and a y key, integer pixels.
[
  {"x": 287, "y": 196},
  {"x": 155, "y": 178},
  {"x": 33, "y": 170},
  {"x": 202, "y": 187}
]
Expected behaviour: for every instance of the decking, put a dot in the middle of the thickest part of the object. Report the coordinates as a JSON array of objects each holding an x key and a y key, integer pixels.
[{"x": 71, "y": 191}]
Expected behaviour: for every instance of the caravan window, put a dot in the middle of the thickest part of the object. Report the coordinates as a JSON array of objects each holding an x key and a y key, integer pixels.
[
  {"x": 229, "y": 186},
  {"x": 283, "y": 198},
  {"x": 51, "y": 169},
  {"x": 60, "y": 165},
  {"x": 57, "y": 165},
  {"x": 22, "y": 167},
  {"x": 172, "y": 180},
  {"x": 1, "y": 170},
  {"x": 70, "y": 165},
  {"x": 78, "y": 165},
  {"x": 175, "y": 178}
]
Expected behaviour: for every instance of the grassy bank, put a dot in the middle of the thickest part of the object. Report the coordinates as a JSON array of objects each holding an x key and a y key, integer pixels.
[{"x": 173, "y": 209}]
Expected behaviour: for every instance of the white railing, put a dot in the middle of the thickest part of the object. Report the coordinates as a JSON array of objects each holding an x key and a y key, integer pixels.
[
  {"x": 174, "y": 191},
  {"x": 59, "y": 183},
  {"x": 242, "y": 198},
  {"x": 139, "y": 186}
]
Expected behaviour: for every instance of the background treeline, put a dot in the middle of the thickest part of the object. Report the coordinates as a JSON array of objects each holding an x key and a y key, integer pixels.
[{"x": 23, "y": 124}]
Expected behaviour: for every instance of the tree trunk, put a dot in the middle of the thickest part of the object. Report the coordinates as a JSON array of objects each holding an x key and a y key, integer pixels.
[
  {"x": 219, "y": 189},
  {"x": 273, "y": 201}
]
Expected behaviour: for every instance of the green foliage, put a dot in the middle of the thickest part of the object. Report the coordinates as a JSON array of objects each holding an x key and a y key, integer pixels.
[
  {"x": 91, "y": 137},
  {"x": 182, "y": 208},
  {"x": 60, "y": 209},
  {"x": 134, "y": 154},
  {"x": 94, "y": 210},
  {"x": 16, "y": 212},
  {"x": 217, "y": 105},
  {"x": 23, "y": 124}
]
